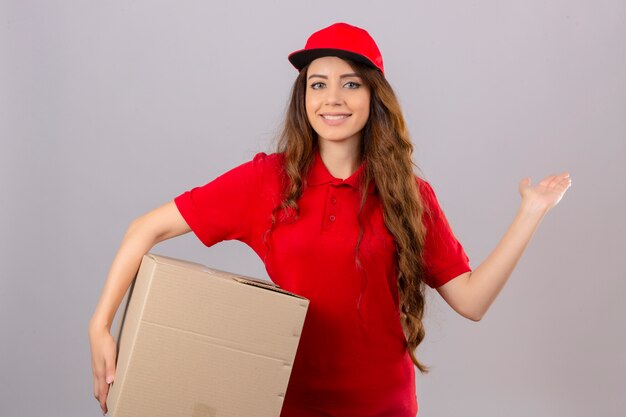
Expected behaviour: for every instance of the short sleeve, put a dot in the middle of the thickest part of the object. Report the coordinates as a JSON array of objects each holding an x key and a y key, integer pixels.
[
  {"x": 223, "y": 209},
  {"x": 444, "y": 257}
]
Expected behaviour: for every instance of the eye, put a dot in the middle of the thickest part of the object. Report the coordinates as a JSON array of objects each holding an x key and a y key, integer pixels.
[
  {"x": 317, "y": 85},
  {"x": 352, "y": 85}
]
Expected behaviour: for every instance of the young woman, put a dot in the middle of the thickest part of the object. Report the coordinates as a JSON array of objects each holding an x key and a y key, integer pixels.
[{"x": 338, "y": 216}]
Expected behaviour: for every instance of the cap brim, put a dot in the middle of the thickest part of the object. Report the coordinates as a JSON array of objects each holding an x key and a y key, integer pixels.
[{"x": 304, "y": 57}]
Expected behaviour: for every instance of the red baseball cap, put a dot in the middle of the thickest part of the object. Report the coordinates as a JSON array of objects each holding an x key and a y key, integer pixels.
[{"x": 341, "y": 40}]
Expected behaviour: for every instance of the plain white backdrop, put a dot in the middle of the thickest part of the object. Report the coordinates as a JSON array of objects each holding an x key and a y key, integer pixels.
[{"x": 108, "y": 109}]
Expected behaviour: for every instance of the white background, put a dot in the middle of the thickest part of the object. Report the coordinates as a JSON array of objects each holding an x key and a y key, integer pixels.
[{"x": 108, "y": 109}]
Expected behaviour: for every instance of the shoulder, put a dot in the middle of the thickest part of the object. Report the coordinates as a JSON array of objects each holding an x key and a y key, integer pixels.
[
  {"x": 426, "y": 192},
  {"x": 421, "y": 182},
  {"x": 267, "y": 166},
  {"x": 261, "y": 164},
  {"x": 272, "y": 160}
]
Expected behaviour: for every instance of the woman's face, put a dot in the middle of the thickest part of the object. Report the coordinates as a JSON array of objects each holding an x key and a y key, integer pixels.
[{"x": 337, "y": 100}]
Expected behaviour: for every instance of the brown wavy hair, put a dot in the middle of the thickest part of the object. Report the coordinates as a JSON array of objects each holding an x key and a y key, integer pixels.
[{"x": 387, "y": 148}]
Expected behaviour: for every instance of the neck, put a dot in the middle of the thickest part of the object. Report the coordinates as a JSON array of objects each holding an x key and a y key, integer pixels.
[{"x": 341, "y": 158}]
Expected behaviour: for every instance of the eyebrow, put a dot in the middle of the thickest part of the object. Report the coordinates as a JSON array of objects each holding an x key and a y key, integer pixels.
[{"x": 352, "y": 74}]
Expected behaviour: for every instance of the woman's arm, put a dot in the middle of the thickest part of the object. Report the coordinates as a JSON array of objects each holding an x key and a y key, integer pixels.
[
  {"x": 146, "y": 231},
  {"x": 471, "y": 293}
]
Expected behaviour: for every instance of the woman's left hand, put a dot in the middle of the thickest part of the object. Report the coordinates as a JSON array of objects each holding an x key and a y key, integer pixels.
[{"x": 547, "y": 193}]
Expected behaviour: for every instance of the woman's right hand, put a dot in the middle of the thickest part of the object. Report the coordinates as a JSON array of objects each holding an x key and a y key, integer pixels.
[
  {"x": 144, "y": 232},
  {"x": 103, "y": 355}
]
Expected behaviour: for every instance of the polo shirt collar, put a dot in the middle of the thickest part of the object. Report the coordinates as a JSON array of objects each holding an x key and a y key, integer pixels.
[{"x": 319, "y": 175}]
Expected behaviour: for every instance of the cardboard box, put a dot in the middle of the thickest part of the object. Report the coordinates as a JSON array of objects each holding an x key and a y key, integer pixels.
[{"x": 198, "y": 342}]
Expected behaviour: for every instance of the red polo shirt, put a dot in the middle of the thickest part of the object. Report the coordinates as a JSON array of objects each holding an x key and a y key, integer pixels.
[{"x": 352, "y": 359}]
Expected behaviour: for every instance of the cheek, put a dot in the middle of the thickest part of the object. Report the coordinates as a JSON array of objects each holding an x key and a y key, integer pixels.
[
  {"x": 310, "y": 115},
  {"x": 309, "y": 106},
  {"x": 365, "y": 109}
]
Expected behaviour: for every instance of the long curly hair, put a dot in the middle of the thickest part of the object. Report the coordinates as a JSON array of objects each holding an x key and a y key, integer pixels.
[{"x": 387, "y": 149}]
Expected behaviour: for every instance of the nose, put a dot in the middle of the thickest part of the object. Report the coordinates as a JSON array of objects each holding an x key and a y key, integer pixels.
[{"x": 334, "y": 95}]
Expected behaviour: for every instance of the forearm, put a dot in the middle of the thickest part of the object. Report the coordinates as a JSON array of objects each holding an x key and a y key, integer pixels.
[
  {"x": 123, "y": 269},
  {"x": 487, "y": 280},
  {"x": 146, "y": 231}
]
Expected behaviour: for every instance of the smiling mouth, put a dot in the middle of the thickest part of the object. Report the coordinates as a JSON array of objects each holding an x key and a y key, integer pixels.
[{"x": 335, "y": 116}]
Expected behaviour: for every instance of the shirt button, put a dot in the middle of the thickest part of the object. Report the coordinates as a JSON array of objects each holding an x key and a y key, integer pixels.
[
  {"x": 332, "y": 218},
  {"x": 333, "y": 200}
]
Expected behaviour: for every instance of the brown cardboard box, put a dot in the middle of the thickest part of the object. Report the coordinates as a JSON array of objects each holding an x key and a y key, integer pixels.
[{"x": 197, "y": 342}]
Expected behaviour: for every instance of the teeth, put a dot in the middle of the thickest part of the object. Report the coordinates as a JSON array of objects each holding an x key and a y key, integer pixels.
[{"x": 337, "y": 117}]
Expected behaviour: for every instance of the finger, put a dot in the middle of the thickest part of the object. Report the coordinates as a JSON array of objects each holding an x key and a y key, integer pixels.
[
  {"x": 555, "y": 181},
  {"x": 524, "y": 184},
  {"x": 109, "y": 360},
  {"x": 96, "y": 388},
  {"x": 561, "y": 176},
  {"x": 110, "y": 367},
  {"x": 565, "y": 183},
  {"x": 547, "y": 180},
  {"x": 565, "y": 178},
  {"x": 104, "y": 391},
  {"x": 98, "y": 378}
]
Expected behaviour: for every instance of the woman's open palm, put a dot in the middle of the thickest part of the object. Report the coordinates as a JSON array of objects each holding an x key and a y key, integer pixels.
[{"x": 548, "y": 192}]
